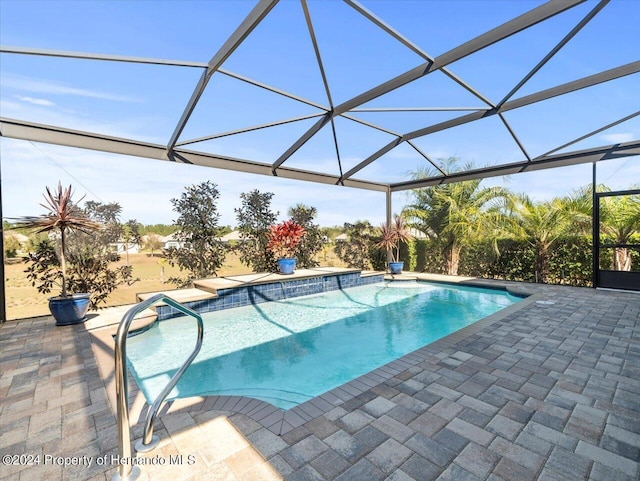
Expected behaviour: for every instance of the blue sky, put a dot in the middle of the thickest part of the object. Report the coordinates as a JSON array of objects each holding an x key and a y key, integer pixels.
[{"x": 144, "y": 102}]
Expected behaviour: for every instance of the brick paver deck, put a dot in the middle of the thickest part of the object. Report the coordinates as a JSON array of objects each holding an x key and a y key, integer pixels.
[{"x": 550, "y": 391}]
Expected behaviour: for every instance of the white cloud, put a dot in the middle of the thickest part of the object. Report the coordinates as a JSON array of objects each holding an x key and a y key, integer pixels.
[
  {"x": 133, "y": 127},
  {"x": 619, "y": 138},
  {"x": 144, "y": 187},
  {"x": 31, "y": 100},
  {"x": 27, "y": 84},
  {"x": 544, "y": 185}
]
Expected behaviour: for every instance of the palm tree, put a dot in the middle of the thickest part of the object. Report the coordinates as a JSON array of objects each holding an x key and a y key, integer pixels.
[
  {"x": 619, "y": 220},
  {"x": 579, "y": 207},
  {"x": 540, "y": 224},
  {"x": 63, "y": 215},
  {"x": 455, "y": 214}
]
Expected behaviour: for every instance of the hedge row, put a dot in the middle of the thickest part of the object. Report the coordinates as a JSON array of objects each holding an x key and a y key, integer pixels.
[{"x": 569, "y": 262}]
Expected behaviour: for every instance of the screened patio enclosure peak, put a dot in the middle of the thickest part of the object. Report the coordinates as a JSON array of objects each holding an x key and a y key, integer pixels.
[{"x": 351, "y": 94}]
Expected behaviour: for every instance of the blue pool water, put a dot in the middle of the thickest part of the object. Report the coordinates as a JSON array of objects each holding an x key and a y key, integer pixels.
[{"x": 287, "y": 352}]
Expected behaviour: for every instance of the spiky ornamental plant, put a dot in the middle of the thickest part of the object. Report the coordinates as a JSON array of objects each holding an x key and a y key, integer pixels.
[
  {"x": 63, "y": 215},
  {"x": 392, "y": 235}
]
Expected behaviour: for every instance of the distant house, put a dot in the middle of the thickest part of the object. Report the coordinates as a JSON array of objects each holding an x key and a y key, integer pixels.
[
  {"x": 233, "y": 236},
  {"x": 123, "y": 247},
  {"x": 23, "y": 239},
  {"x": 170, "y": 241},
  {"x": 342, "y": 238}
]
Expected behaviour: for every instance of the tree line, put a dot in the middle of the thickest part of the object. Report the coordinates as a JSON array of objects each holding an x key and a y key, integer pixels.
[
  {"x": 473, "y": 230},
  {"x": 467, "y": 228},
  {"x": 91, "y": 257}
]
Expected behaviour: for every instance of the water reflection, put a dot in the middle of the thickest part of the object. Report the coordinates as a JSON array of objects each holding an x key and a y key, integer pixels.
[{"x": 291, "y": 364}]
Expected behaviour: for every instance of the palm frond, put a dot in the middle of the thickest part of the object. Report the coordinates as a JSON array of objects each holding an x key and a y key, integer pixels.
[{"x": 62, "y": 214}]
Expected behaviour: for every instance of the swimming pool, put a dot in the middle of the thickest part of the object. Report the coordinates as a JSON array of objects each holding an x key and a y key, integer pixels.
[{"x": 287, "y": 352}]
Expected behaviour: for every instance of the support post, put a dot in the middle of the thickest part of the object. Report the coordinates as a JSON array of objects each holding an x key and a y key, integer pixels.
[
  {"x": 388, "y": 219},
  {"x": 3, "y": 300},
  {"x": 595, "y": 226}
]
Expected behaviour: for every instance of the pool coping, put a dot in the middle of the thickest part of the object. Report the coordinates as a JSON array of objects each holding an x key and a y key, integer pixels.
[{"x": 277, "y": 420}]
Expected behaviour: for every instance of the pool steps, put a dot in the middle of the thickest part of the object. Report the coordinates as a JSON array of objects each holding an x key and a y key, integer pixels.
[
  {"x": 179, "y": 295},
  {"x": 112, "y": 316}
]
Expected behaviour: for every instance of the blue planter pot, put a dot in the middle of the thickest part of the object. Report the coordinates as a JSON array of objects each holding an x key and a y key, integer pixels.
[
  {"x": 286, "y": 266},
  {"x": 69, "y": 310},
  {"x": 396, "y": 267}
]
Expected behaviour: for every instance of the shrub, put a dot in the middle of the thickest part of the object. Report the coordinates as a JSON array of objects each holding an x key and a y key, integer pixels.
[
  {"x": 11, "y": 246},
  {"x": 313, "y": 240},
  {"x": 254, "y": 217},
  {"x": 359, "y": 250},
  {"x": 202, "y": 254}
]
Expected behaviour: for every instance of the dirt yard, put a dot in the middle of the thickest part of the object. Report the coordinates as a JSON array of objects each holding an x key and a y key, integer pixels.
[{"x": 23, "y": 300}]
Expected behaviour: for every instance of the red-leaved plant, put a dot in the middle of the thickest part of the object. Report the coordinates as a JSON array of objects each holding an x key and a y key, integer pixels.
[{"x": 284, "y": 238}]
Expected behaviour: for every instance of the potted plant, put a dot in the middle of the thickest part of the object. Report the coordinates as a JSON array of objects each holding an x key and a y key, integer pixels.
[
  {"x": 392, "y": 236},
  {"x": 283, "y": 240},
  {"x": 63, "y": 217}
]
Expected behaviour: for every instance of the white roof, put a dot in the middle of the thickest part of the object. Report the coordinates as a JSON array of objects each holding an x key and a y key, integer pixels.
[
  {"x": 231, "y": 236},
  {"x": 167, "y": 238},
  {"x": 23, "y": 239}
]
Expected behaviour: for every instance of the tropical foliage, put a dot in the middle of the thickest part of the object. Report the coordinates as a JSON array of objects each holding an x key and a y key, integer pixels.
[
  {"x": 284, "y": 238},
  {"x": 491, "y": 232},
  {"x": 457, "y": 214},
  {"x": 313, "y": 240},
  {"x": 62, "y": 216},
  {"x": 391, "y": 237},
  {"x": 539, "y": 224},
  {"x": 75, "y": 255},
  {"x": 619, "y": 220}
]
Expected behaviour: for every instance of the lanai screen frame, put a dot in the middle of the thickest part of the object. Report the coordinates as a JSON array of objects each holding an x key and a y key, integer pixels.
[{"x": 174, "y": 150}]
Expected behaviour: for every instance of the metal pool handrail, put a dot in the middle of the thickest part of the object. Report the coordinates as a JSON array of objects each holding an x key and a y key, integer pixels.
[{"x": 127, "y": 471}]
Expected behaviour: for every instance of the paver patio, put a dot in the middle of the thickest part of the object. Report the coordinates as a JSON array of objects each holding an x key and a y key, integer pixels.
[{"x": 550, "y": 391}]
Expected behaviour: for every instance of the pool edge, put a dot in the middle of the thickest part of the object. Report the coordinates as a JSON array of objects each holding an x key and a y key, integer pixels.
[{"x": 275, "y": 419}]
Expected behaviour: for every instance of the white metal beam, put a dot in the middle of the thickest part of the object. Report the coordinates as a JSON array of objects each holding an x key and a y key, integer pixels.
[
  {"x": 591, "y": 80},
  {"x": 608, "y": 152},
  {"x": 248, "y": 129},
  {"x": 41, "y": 52},
  {"x": 237, "y": 37},
  {"x": 16, "y": 129},
  {"x": 533, "y": 17}
]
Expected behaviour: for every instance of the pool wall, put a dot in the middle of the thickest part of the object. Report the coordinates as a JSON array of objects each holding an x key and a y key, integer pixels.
[{"x": 272, "y": 291}]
